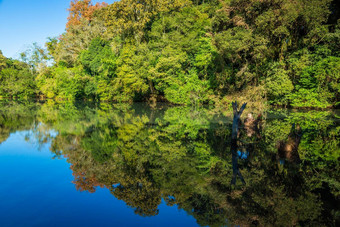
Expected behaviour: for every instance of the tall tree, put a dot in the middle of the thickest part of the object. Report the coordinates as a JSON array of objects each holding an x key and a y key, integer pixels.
[
  {"x": 82, "y": 9},
  {"x": 130, "y": 17}
]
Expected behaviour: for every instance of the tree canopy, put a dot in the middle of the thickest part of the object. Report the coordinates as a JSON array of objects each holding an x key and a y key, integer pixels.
[{"x": 196, "y": 52}]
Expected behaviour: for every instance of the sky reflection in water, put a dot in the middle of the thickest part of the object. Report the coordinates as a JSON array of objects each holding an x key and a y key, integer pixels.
[
  {"x": 169, "y": 166},
  {"x": 36, "y": 190}
]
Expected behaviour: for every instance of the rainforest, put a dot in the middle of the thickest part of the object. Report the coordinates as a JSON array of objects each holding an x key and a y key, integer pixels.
[{"x": 273, "y": 52}]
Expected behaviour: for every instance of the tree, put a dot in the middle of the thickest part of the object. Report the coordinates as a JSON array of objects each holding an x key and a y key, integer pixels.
[
  {"x": 129, "y": 18},
  {"x": 76, "y": 39},
  {"x": 80, "y": 10},
  {"x": 35, "y": 56},
  {"x": 3, "y": 61}
]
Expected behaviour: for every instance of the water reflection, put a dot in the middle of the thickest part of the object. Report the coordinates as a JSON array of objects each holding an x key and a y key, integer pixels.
[{"x": 190, "y": 158}]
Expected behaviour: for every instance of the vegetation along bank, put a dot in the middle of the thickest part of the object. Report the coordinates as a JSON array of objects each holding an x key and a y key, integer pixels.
[{"x": 278, "y": 52}]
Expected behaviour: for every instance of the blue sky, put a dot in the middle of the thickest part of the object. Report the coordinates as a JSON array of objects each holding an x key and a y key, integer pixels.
[{"x": 23, "y": 22}]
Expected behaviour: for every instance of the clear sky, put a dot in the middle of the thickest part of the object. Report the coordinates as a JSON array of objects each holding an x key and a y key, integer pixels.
[{"x": 23, "y": 22}]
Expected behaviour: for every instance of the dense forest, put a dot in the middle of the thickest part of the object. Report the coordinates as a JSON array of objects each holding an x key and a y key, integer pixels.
[{"x": 279, "y": 52}]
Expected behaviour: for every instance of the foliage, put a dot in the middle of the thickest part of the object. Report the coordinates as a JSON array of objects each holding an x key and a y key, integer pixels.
[
  {"x": 82, "y": 9},
  {"x": 195, "y": 52},
  {"x": 129, "y": 18},
  {"x": 317, "y": 78},
  {"x": 16, "y": 79},
  {"x": 278, "y": 84},
  {"x": 67, "y": 84}
]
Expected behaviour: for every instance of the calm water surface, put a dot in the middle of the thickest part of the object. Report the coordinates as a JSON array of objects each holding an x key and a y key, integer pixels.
[{"x": 128, "y": 165}]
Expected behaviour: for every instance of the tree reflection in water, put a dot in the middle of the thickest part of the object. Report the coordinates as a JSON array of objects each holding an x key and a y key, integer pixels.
[{"x": 187, "y": 157}]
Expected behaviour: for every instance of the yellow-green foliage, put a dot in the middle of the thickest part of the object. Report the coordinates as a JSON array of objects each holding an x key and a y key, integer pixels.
[{"x": 195, "y": 52}]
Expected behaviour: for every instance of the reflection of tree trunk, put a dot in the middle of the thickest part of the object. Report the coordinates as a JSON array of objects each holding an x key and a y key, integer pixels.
[
  {"x": 233, "y": 147},
  {"x": 253, "y": 126},
  {"x": 236, "y": 171},
  {"x": 289, "y": 149}
]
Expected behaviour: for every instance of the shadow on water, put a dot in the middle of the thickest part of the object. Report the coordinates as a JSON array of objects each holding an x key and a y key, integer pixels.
[{"x": 286, "y": 161}]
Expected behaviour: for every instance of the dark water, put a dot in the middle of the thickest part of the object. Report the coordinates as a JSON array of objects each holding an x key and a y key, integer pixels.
[{"x": 129, "y": 165}]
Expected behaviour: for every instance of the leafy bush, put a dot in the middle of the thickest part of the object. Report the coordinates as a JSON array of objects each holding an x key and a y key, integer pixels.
[{"x": 278, "y": 84}]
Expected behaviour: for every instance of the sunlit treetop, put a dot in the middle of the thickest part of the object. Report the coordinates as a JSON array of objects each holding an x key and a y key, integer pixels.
[
  {"x": 82, "y": 9},
  {"x": 2, "y": 61},
  {"x": 129, "y": 17}
]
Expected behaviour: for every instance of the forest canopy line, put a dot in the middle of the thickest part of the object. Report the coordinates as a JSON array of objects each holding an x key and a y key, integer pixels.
[{"x": 280, "y": 52}]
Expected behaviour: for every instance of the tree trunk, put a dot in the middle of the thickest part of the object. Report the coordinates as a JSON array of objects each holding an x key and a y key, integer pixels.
[{"x": 233, "y": 145}]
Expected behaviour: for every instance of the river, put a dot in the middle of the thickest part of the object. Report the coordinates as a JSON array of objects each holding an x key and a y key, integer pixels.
[{"x": 91, "y": 164}]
